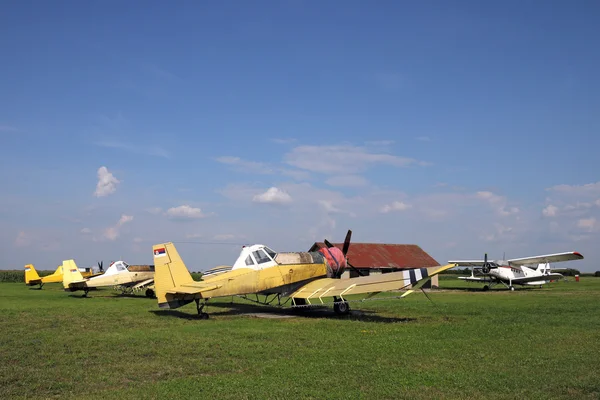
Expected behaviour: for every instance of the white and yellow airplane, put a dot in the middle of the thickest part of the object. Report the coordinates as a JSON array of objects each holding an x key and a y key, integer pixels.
[
  {"x": 120, "y": 275},
  {"x": 32, "y": 277},
  {"x": 518, "y": 271},
  {"x": 304, "y": 278}
]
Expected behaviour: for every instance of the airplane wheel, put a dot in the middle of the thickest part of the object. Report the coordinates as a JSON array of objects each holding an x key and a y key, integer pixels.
[
  {"x": 486, "y": 288},
  {"x": 203, "y": 315},
  {"x": 512, "y": 288},
  {"x": 149, "y": 293},
  {"x": 341, "y": 308}
]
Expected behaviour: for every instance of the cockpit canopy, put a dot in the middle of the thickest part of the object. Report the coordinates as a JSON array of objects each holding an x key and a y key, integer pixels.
[
  {"x": 257, "y": 256},
  {"x": 117, "y": 267}
]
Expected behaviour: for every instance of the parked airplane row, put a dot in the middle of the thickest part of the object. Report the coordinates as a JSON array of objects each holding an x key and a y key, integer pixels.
[
  {"x": 295, "y": 279},
  {"x": 119, "y": 275}
]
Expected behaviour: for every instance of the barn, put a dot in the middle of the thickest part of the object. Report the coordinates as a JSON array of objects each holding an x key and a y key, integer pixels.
[{"x": 381, "y": 258}]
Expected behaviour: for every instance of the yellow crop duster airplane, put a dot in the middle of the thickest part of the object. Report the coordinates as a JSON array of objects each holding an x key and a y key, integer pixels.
[
  {"x": 302, "y": 277},
  {"x": 32, "y": 278},
  {"x": 120, "y": 275}
]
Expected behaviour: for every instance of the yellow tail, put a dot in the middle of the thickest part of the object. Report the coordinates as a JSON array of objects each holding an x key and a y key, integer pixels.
[
  {"x": 71, "y": 273},
  {"x": 31, "y": 276},
  {"x": 169, "y": 272}
]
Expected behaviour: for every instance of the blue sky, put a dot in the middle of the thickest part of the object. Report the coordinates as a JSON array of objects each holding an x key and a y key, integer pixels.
[{"x": 465, "y": 127}]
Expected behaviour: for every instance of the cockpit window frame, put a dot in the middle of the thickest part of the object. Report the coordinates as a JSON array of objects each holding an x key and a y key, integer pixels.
[
  {"x": 253, "y": 262},
  {"x": 261, "y": 258},
  {"x": 268, "y": 250}
]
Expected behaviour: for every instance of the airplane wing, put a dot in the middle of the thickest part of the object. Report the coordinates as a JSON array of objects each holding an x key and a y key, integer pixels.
[
  {"x": 547, "y": 258},
  {"x": 329, "y": 287},
  {"x": 143, "y": 283},
  {"x": 537, "y": 278}
]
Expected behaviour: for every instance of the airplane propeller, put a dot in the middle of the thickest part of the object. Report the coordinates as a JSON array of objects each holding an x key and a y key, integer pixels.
[
  {"x": 345, "y": 248},
  {"x": 485, "y": 268},
  {"x": 100, "y": 266}
]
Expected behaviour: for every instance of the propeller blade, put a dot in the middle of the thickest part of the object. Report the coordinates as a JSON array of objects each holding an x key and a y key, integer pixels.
[
  {"x": 354, "y": 268},
  {"x": 347, "y": 242},
  {"x": 328, "y": 243}
]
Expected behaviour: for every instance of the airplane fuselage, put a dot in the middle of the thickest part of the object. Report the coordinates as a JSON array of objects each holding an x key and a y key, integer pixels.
[{"x": 508, "y": 274}]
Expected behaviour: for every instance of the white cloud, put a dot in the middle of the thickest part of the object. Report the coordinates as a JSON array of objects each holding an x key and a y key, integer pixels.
[
  {"x": 22, "y": 239},
  {"x": 107, "y": 183},
  {"x": 382, "y": 143},
  {"x": 283, "y": 140},
  {"x": 251, "y": 167},
  {"x": 577, "y": 190},
  {"x": 185, "y": 212},
  {"x": 224, "y": 236},
  {"x": 260, "y": 168},
  {"x": 86, "y": 231},
  {"x": 113, "y": 232},
  {"x": 154, "y": 210},
  {"x": 395, "y": 206},
  {"x": 588, "y": 224},
  {"x": 498, "y": 203},
  {"x": 550, "y": 211},
  {"x": 346, "y": 180},
  {"x": 343, "y": 160},
  {"x": 274, "y": 196},
  {"x": 150, "y": 150}
]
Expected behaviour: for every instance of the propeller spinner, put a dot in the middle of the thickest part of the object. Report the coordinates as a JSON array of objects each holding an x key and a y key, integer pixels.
[
  {"x": 485, "y": 268},
  {"x": 344, "y": 251}
]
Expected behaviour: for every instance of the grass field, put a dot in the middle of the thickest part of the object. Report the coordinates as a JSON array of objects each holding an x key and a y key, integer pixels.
[{"x": 532, "y": 343}]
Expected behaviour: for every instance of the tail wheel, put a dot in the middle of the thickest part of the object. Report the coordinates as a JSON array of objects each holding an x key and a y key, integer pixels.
[{"x": 149, "y": 293}]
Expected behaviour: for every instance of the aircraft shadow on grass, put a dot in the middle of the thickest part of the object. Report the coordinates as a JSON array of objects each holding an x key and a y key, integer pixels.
[{"x": 250, "y": 310}]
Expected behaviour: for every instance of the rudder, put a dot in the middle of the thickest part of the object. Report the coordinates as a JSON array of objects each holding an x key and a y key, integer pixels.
[
  {"x": 31, "y": 275},
  {"x": 169, "y": 272},
  {"x": 70, "y": 273}
]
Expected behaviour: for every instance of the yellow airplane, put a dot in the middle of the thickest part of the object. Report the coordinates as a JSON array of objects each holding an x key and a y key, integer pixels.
[
  {"x": 32, "y": 278},
  {"x": 120, "y": 275},
  {"x": 301, "y": 277}
]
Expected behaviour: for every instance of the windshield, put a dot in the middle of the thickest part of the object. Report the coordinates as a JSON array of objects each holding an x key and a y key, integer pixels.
[
  {"x": 270, "y": 252},
  {"x": 261, "y": 256}
]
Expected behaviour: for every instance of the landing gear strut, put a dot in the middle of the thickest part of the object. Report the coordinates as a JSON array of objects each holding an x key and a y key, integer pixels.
[{"x": 199, "y": 307}]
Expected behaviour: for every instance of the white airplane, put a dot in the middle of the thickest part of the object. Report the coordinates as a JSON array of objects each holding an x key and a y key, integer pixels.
[{"x": 516, "y": 271}]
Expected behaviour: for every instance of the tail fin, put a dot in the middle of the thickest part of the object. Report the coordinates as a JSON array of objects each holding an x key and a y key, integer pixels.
[
  {"x": 31, "y": 275},
  {"x": 71, "y": 273},
  {"x": 169, "y": 272}
]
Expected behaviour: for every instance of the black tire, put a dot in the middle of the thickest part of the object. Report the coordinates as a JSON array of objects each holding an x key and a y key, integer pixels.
[
  {"x": 341, "y": 308},
  {"x": 149, "y": 293},
  {"x": 486, "y": 288},
  {"x": 203, "y": 315}
]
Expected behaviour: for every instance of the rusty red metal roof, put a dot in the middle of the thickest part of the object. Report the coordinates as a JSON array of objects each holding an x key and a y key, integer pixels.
[{"x": 383, "y": 255}]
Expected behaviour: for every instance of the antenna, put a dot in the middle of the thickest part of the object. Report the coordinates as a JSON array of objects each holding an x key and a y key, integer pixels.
[{"x": 504, "y": 255}]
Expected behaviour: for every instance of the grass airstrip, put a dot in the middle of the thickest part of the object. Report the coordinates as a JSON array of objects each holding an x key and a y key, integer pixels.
[{"x": 466, "y": 344}]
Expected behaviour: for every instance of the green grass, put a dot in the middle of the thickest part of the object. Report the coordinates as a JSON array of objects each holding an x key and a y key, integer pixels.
[{"x": 532, "y": 343}]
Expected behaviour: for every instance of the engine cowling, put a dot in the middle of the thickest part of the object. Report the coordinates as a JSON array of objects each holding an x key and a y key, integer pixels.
[{"x": 335, "y": 260}]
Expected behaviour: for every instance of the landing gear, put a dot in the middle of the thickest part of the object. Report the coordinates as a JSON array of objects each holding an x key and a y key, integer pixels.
[
  {"x": 341, "y": 307},
  {"x": 512, "y": 288},
  {"x": 149, "y": 293},
  {"x": 199, "y": 307},
  {"x": 486, "y": 288}
]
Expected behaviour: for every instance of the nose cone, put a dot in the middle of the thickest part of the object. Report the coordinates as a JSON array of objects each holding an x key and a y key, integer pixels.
[{"x": 335, "y": 260}]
